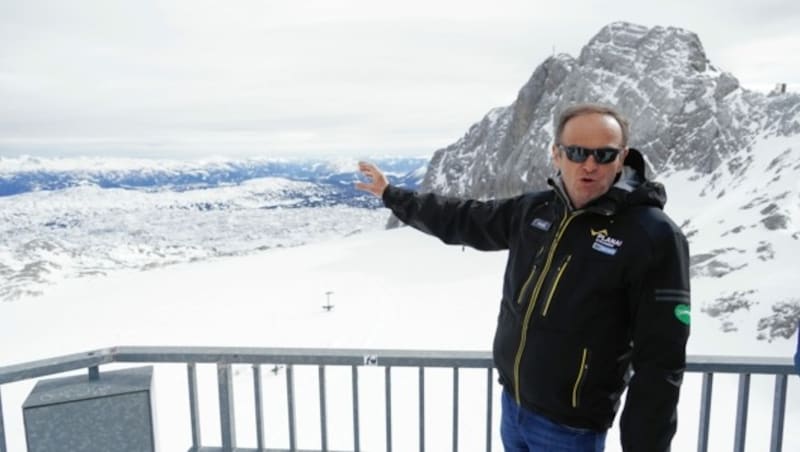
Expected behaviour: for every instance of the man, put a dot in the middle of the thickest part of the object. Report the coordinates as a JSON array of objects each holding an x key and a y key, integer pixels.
[{"x": 595, "y": 294}]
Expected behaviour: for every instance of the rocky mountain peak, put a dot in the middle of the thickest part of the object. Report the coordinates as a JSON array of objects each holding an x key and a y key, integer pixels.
[
  {"x": 623, "y": 45},
  {"x": 685, "y": 113}
]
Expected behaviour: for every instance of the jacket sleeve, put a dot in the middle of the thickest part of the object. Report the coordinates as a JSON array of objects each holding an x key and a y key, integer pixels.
[
  {"x": 797, "y": 353},
  {"x": 660, "y": 300},
  {"x": 479, "y": 224}
]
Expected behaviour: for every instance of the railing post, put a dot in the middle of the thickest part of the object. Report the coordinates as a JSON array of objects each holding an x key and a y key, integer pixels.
[
  {"x": 323, "y": 411},
  {"x": 778, "y": 412},
  {"x": 741, "y": 412},
  {"x": 94, "y": 373},
  {"x": 421, "y": 409},
  {"x": 191, "y": 370},
  {"x": 290, "y": 404},
  {"x": 489, "y": 398},
  {"x": 226, "y": 407},
  {"x": 705, "y": 412},
  {"x": 2, "y": 428},
  {"x": 388, "y": 390},
  {"x": 259, "y": 402},
  {"x": 455, "y": 409},
  {"x": 356, "y": 431}
]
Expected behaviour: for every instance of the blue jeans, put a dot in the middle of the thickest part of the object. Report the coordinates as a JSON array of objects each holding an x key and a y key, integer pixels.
[{"x": 525, "y": 431}]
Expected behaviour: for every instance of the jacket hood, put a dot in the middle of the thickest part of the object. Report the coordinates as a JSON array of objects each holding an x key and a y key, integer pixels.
[{"x": 633, "y": 187}]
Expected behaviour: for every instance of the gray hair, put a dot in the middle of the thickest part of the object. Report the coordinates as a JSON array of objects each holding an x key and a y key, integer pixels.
[{"x": 589, "y": 108}]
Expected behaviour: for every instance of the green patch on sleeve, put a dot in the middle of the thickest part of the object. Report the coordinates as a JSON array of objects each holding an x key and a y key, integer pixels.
[{"x": 683, "y": 314}]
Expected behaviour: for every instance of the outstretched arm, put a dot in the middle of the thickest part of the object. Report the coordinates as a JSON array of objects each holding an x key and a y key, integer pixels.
[{"x": 479, "y": 224}]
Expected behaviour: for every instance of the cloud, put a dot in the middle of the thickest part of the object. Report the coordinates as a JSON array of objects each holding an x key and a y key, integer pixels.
[
  {"x": 313, "y": 76},
  {"x": 768, "y": 61}
]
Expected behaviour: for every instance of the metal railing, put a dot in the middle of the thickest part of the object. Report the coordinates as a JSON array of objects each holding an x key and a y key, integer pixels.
[{"x": 225, "y": 357}]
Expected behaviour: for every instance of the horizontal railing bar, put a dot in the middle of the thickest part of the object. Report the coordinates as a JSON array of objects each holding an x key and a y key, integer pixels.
[
  {"x": 343, "y": 357},
  {"x": 739, "y": 364},
  {"x": 57, "y": 365},
  {"x": 307, "y": 356},
  {"x": 407, "y": 358}
]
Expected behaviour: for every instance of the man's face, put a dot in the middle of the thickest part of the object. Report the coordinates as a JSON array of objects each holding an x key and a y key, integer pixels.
[{"x": 588, "y": 180}]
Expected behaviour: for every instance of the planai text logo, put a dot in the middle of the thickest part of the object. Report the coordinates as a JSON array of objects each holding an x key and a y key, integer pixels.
[{"x": 604, "y": 243}]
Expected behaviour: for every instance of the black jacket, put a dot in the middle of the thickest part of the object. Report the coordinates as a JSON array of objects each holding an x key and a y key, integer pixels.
[{"x": 593, "y": 299}]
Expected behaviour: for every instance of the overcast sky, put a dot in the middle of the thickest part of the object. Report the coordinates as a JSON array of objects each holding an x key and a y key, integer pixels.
[{"x": 253, "y": 78}]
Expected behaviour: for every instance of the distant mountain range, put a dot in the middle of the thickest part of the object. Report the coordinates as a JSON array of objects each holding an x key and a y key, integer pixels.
[
  {"x": 66, "y": 218},
  {"x": 27, "y": 174}
]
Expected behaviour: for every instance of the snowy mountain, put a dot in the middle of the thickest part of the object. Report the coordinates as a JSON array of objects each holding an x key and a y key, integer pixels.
[
  {"x": 64, "y": 218},
  {"x": 728, "y": 157}
]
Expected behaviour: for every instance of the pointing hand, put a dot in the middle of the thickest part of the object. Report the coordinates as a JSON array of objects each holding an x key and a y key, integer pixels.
[{"x": 377, "y": 181}]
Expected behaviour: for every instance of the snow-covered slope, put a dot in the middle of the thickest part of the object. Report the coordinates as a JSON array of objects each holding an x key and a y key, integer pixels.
[
  {"x": 72, "y": 217},
  {"x": 49, "y": 235},
  {"x": 743, "y": 224},
  {"x": 394, "y": 289}
]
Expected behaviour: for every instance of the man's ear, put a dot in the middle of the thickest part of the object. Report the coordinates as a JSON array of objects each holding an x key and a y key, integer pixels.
[{"x": 554, "y": 154}]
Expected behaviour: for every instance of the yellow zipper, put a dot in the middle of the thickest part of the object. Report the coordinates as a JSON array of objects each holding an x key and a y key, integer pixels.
[
  {"x": 525, "y": 286},
  {"x": 555, "y": 284},
  {"x": 581, "y": 375},
  {"x": 523, "y": 337},
  {"x": 530, "y": 276}
]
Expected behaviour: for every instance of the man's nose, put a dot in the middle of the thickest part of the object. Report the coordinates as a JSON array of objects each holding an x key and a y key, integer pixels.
[{"x": 590, "y": 164}]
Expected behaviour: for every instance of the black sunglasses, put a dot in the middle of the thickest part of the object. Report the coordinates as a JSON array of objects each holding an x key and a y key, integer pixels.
[{"x": 578, "y": 154}]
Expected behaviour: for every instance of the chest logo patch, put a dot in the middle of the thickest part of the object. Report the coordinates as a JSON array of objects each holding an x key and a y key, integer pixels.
[
  {"x": 604, "y": 243},
  {"x": 541, "y": 224}
]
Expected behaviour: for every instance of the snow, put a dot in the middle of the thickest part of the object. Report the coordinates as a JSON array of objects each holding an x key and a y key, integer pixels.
[
  {"x": 89, "y": 229},
  {"x": 494, "y": 114},
  {"x": 341, "y": 164},
  {"x": 729, "y": 215},
  {"x": 439, "y": 178},
  {"x": 396, "y": 289}
]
